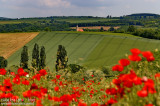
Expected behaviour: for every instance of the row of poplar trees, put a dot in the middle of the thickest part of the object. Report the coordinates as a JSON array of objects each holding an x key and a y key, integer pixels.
[{"x": 38, "y": 59}]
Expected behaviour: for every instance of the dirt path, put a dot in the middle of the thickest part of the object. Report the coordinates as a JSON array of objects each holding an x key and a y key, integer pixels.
[{"x": 11, "y": 42}]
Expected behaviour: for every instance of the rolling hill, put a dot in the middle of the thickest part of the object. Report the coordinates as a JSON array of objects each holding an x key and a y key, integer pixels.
[{"x": 92, "y": 50}]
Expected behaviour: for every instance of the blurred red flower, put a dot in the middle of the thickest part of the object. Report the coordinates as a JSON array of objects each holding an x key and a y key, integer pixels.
[
  {"x": 135, "y": 51},
  {"x": 43, "y": 72},
  {"x": 134, "y": 58},
  {"x": 124, "y": 62},
  {"x": 56, "y": 88},
  {"x": 117, "y": 68},
  {"x": 142, "y": 93},
  {"x": 2, "y": 71}
]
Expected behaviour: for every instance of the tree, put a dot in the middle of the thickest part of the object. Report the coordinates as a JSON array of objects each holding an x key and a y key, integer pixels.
[
  {"x": 35, "y": 56},
  {"x": 42, "y": 62},
  {"x": 101, "y": 29},
  {"x": 131, "y": 28},
  {"x": 111, "y": 28},
  {"x": 3, "y": 62},
  {"x": 62, "y": 58},
  {"x": 24, "y": 58}
]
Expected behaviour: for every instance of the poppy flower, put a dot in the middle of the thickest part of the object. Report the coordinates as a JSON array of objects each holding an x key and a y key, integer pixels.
[
  {"x": 25, "y": 82},
  {"x": 111, "y": 91},
  {"x": 34, "y": 86},
  {"x": 111, "y": 101},
  {"x": 43, "y": 72},
  {"x": 148, "y": 55},
  {"x": 124, "y": 62},
  {"x": 38, "y": 103},
  {"x": 157, "y": 75},
  {"x": 58, "y": 76},
  {"x": 27, "y": 94},
  {"x": 21, "y": 72},
  {"x": 66, "y": 98},
  {"x": 2, "y": 71},
  {"x": 64, "y": 104},
  {"x": 117, "y": 68},
  {"x": 7, "y": 85},
  {"x": 37, "y": 94},
  {"x": 135, "y": 51},
  {"x": 9, "y": 95},
  {"x": 142, "y": 93},
  {"x": 56, "y": 88},
  {"x": 134, "y": 58},
  {"x": 94, "y": 104},
  {"x": 82, "y": 104},
  {"x": 12, "y": 73},
  {"x": 16, "y": 80},
  {"x": 37, "y": 77},
  {"x": 43, "y": 90}
]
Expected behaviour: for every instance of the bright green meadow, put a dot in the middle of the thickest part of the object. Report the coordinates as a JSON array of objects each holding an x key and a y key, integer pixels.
[{"x": 93, "y": 50}]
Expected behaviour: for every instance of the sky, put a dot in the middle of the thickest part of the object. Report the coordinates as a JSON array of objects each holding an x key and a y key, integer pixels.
[{"x": 100, "y": 8}]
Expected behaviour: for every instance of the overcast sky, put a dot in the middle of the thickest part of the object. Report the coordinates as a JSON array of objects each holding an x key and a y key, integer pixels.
[{"x": 102, "y": 8}]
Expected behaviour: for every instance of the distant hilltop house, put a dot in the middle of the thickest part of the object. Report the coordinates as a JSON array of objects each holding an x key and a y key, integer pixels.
[{"x": 79, "y": 30}]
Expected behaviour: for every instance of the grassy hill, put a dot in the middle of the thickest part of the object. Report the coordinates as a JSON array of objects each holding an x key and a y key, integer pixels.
[{"x": 88, "y": 49}]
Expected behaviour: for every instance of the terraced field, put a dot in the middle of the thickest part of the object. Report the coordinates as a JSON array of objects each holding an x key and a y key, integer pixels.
[{"x": 88, "y": 49}]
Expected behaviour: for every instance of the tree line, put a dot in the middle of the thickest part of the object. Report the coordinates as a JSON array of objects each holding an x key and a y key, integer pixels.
[{"x": 39, "y": 58}]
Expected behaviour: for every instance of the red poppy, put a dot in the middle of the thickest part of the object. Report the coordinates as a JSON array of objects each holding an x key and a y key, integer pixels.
[
  {"x": 157, "y": 75},
  {"x": 2, "y": 95},
  {"x": 135, "y": 51},
  {"x": 66, "y": 98},
  {"x": 27, "y": 94},
  {"x": 43, "y": 90},
  {"x": 56, "y": 88},
  {"x": 2, "y": 71},
  {"x": 111, "y": 91},
  {"x": 58, "y": 76},
  {"x": 142, "y": 93},
  {"x": 12, "y": 73},
  {"x": 38, "y": 103},
  {"x": 43, "y": 72},
  {"x": 57, "y": 99},
  {"x": 9, "y": 95},
  {"x": 111, "y": 101},
  {"x": 134, "y": 58},
  {"x": 16, "y": 80},
  {"x": 117, "y": 68},
  {"x": 94, "y": 104},
  {"x": 37, "y": 77},
  {"x": 14, "y": 98},
  {"x": 82, "y": 104},
  {"x": 124, "y": 62},
  {"x": 21, "y": 72},
  {"x": 37, "y": 94},
  {"x": 7, "y": 85},
  {"x": 34, "y": 86},
  {"x": 25, "y": 82}
]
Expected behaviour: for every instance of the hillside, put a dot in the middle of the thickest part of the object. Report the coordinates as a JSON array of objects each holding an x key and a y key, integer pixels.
[{"x": 89, "y": 49}]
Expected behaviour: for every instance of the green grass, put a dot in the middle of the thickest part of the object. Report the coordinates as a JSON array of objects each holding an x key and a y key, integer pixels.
[{"x": 91, "y": 49}]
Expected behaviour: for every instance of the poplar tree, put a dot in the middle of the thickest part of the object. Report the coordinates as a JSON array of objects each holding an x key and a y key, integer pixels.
[
  {"x": 42, "y": 62},
  {"x": 24, "y": 58},
  {"x": 35, "y": 56},
  {"x": 62, "y": 58}
]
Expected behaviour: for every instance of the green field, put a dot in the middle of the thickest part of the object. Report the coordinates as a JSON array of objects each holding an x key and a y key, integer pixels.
[
  {"x": 85, "y": 20},
  {"x": 89, "y": 49}
]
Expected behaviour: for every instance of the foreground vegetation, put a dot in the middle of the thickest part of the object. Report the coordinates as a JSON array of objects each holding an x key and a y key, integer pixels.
[{"x": 136, "y": 82}]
